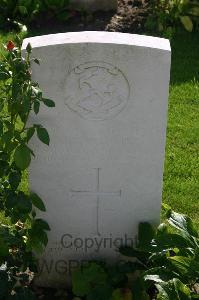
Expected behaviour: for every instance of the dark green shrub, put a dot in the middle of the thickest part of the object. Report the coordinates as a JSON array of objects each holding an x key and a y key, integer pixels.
[
  {"x": 170, "y": 258},
  {"x": 25, "y": 233},
  {"x": 166, "y": 15},
  {"x": 26, "y": 11},
  {"x": 97, "y": 281},
  {"x": 164, "y": 265}
]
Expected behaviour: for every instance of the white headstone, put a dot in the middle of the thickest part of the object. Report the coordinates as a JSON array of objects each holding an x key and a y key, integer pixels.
[
  {"x": 102, "y": 173},
  {"x": 94, "y": 5}
]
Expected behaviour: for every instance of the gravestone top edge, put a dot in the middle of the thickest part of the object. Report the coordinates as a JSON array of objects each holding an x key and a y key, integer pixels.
[{"x": 98, "y": 37}]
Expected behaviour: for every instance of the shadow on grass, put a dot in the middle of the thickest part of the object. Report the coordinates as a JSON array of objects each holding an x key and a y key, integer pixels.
[{"x": 185, "y": 57}]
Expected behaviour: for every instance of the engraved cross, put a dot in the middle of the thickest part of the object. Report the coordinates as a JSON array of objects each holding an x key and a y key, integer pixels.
[{"x": 97, "y": 194}]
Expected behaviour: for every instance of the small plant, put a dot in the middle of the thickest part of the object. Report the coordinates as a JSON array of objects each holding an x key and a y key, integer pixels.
[
  {"x": 27, "y": 11},
  {"x": 170, "y": 258},
  {"x": 164, "y": 265},
  {"x": 23, "y": 232},
  {"x": 166, "y": 15},
  {"x": 58, "y": 9},
  {"x": 97, "y": 281}
]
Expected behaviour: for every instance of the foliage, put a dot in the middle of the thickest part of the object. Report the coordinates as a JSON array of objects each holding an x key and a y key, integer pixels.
[
  {"x": 164, "y": 265},
  {"x": 25, "y": 232},
  {"x": 26, "y": 11},
  {"x": 170, "y": 258},
  {"x": 166, "y": 15},
  {"x": 101, "y": 282}
]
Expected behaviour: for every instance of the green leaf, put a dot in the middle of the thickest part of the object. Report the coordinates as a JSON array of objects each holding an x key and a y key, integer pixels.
[
  {"x": 4, "y": 249},
  {"x": 139, "y": 290},
  {"x": 23, "y": 28},
  {"x": 23, "y": 10},
  {"x": 155, "y": 278},
  {"x": 1, "y": 106},
  {"x": 11, "y": 201},
  {"x": 33, "y": 214},
  {"x": 37, "y": 61},
  {"x": 37, "y": 202},
  {"x": 37, "y": 92},
  {"x": 194, "y": 11},
  {"x": 173, "y": 289},
  {"x": 35, "y": 244},
  {"x": 42, "y": 235},
  {"x": 182, "y": 223},
  {"x": 36, "y": 106},
  {"x": 102, "y": 292},
  {"x": 183, "y": 291},
  {"x": 4, "y": 75},
  {"x": 48, "y": 102},
  {"x": 158, "y": 274},
  {"x": 1, "y": 127},
  {"x": 187, "y": 22},
  {"x": 7, "y": 137},
  {"x": 116, "y": 295},
  {"x": 23, "y": 2},
  {"x": 128, "y": 267},
  {"x": 185, "y": 265},
  {"x": 26, "y": 104},
  {"x": 117, "y": 274},
  {"x": 23, "y": 203},
  {"x": 38, "y": 236},
  {"x": 22, "y": 157},
  {"x": 4, "y": 168},
  {"x": 170, "y": 240},
  {"x": 41, "y": 224},
  {"x": 14, "y": 179},
  {"x": 43, "y": 135},
  {"x": 4, "y": 284},
  {"x": 83, "y": 279},
  {"x": 146, "y": 233},
  {"x": 29, "y": 48},
  {"x": 136, "y": 253},
  {"x": 194, "y": 296},
  {"x": 30, "y": 133}
]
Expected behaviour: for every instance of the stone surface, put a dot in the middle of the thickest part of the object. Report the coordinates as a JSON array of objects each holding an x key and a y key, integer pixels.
[
  {"x": 94, "y": 5},
  {"x": 102, "y": 173}
]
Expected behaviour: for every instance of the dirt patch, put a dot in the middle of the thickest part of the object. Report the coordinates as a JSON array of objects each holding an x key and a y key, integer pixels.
[{"x": 130, "y": 17}]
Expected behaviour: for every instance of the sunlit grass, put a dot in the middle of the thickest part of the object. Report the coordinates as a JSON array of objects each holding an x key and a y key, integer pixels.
[{"x": 181, "y": 176}]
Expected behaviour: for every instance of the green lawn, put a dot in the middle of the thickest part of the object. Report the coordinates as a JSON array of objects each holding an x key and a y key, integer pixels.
[{"x": 181, "y": 176}]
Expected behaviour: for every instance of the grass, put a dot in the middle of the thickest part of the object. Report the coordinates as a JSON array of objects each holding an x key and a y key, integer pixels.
[{"x": 181, "y": 176}]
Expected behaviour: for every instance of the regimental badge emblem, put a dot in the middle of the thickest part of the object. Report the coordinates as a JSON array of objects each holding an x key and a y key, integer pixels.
[{"x": 96, "y": 91}]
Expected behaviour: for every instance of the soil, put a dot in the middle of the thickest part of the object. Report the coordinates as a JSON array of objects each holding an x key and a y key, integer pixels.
[{"x": 130, "y": 17}]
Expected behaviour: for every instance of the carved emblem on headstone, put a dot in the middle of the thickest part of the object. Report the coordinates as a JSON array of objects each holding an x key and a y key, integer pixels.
[{"x": 96, "y": 90}]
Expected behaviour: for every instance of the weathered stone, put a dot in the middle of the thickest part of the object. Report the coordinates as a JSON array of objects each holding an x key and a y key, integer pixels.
[{"x": 102, "y": 173}]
